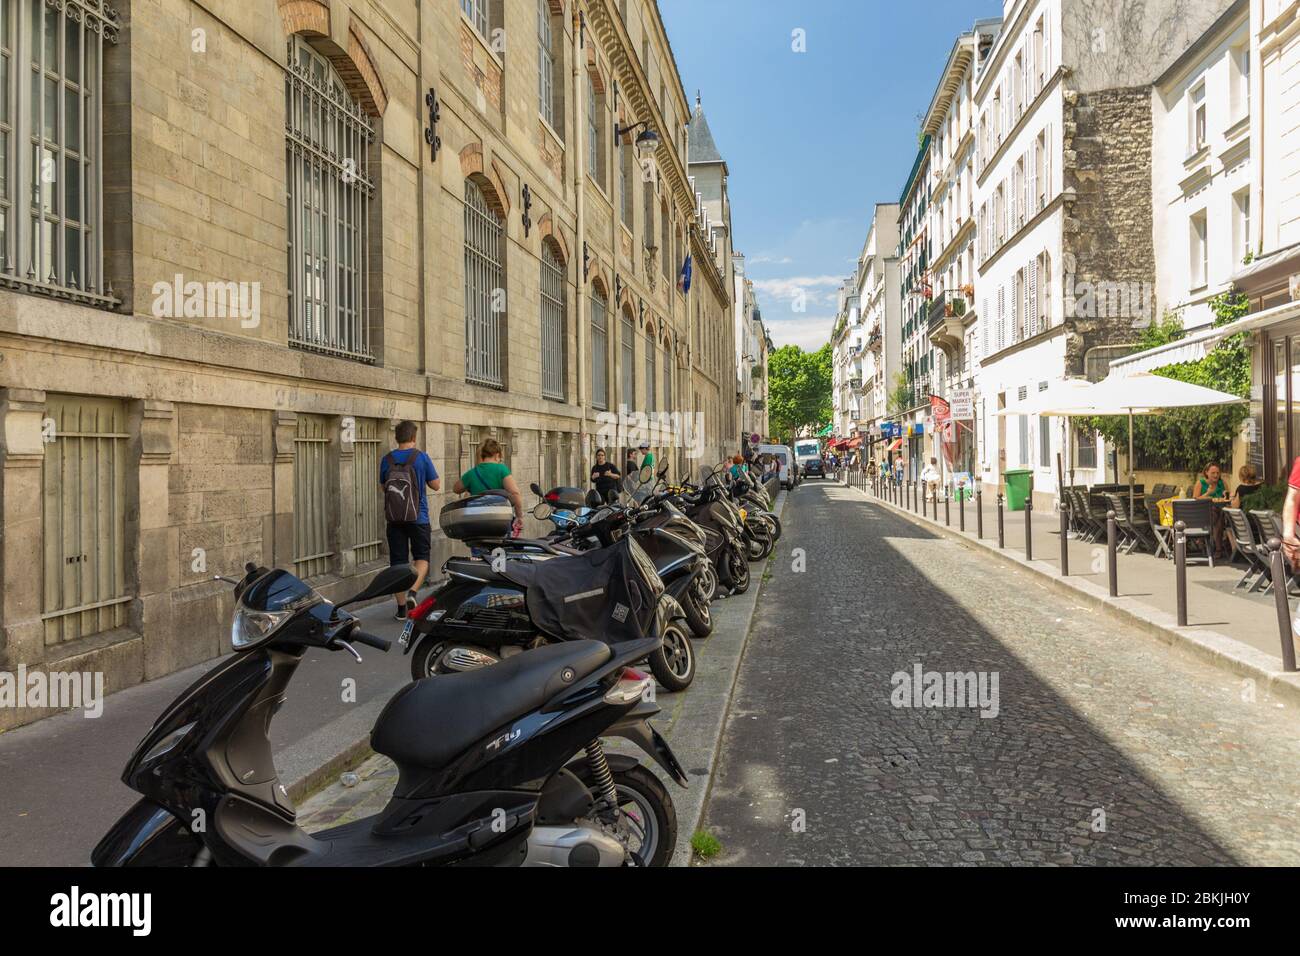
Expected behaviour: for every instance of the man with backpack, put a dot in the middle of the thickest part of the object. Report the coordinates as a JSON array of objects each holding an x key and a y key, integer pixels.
[{"x": 404, "y": 474}]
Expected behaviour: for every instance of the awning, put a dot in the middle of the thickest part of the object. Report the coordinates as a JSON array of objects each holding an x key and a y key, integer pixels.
[
  {"x": 825, "y": 431},
  {"x": 894, "y": 445},
  {"x": 1199, "y": 344},
  {"x": 853, "y": 443}
]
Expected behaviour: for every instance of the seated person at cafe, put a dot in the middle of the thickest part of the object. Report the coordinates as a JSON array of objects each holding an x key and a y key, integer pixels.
[
  {"x": 1210, "y": 484},
  {"x": 1250, "y": 484}
]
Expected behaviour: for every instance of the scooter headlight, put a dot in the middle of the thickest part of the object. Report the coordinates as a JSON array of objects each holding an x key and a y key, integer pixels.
[{"x": 251, "y": 627}]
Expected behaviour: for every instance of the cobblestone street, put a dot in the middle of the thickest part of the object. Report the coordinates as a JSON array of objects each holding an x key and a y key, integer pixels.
[{"x": 1107, "y": 747}]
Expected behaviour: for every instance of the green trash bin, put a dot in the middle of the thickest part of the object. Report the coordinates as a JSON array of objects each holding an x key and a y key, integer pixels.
[{"x": 1017, "y": 482}]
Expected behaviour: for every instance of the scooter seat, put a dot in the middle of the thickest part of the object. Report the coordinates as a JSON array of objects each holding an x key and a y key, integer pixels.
[{"x": 432, "y": 721}]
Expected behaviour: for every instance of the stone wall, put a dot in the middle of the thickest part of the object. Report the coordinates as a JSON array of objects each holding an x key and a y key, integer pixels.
[{"x": 1108, "y": 259}]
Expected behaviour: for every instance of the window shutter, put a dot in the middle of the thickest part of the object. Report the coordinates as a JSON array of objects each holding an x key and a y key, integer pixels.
[
  {"x": 1047, "y": 164},
  {"x": 1033, "y": 322},
  {"x": 1047, "y": 45},
  {"x": 1033, "y": 178},
  {"x": 1027, "y": 319},
  {"x": 1002, "y": 316}
]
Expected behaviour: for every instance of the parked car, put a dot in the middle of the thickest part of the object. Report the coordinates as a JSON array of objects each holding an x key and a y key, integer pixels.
[
  {"x": 785, "y": 458},
  {"x": 814, "y": 468}
]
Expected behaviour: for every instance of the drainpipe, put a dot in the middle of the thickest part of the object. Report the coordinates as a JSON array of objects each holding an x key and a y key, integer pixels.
[{"x": 580, "y": 284}]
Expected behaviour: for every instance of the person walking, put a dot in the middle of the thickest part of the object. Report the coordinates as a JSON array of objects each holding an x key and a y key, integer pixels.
[
  {"x": 648, "y": 461},
  {"x": 930, "y": 476},
  {"x": 406, "y": 475},
  {"x": 604, "y": 477},
  {"x": 492, "y": 474}
]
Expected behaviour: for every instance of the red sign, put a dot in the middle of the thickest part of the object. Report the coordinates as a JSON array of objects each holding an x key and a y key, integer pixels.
[{"x": 940, "y": 409}]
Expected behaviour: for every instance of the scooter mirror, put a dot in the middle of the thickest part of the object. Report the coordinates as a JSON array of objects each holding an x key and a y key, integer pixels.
[
  {"x": 646, "y": 474},
  {"x": 388, "y": 581},
  {"x": 663, "y": 471},
  {"x": 536, "y": 489},
  {"x": 594, "y": 500},
  {"x": 542, "y": 510}
]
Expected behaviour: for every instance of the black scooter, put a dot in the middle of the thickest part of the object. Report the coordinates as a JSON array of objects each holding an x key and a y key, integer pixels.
[
  {"x": 500, "y": 600},
  {"x": 502, "y": 766}
]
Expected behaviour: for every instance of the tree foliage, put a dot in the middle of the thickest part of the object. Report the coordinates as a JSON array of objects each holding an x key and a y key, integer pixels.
[
  {"x": 1188, "y": 438},
  {"x": 799, "y": 390}
]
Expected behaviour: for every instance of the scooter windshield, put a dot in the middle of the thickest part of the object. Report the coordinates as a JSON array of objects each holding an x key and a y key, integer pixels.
[{"x": 278, "y": 591}]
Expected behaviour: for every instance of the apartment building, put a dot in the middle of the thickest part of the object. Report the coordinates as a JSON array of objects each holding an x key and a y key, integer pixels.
[
  {"x": 750, "y": 357},
  {"x": 1065, "y": 260},
  {"x": 880, "y": 298},
  {"x": 919, "y": 355},
  {"x": 952, "y": 319},
  {"x": 263, "y": 233}
]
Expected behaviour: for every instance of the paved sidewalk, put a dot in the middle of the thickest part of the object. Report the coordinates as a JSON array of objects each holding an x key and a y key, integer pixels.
[
  {"x": 1237, "y": 629},
  {"x": 691, "y": 721}
]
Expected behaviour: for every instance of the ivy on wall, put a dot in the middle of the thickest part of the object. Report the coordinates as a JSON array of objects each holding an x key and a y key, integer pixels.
[{"x": 1187, "y": 439}]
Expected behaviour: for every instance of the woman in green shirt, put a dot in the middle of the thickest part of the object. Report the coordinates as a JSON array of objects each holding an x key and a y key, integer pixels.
[{"x": 492, "y": 474}]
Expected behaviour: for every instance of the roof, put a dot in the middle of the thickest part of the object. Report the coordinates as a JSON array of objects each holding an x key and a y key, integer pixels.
[{"x": 700, "y": 147}]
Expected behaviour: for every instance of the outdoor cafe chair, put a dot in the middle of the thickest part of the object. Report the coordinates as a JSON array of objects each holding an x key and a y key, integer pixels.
[
  {"x": 1258, "y": 572},
  {"x": 1095, "y": 520},
  {"x": 1268, "y": 525},
  {"x": 1134, "y": 534},
  {"x": 1197, "y": 515},
  {"x": 1162, "y": 534}
]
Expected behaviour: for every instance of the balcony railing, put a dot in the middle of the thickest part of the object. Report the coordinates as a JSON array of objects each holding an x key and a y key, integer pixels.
[{"x": 947, "y": 304}]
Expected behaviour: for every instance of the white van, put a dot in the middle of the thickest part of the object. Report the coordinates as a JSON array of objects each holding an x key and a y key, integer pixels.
[
  {"x": 785, "y": 458},
  {"x": 808, "y": 450}
]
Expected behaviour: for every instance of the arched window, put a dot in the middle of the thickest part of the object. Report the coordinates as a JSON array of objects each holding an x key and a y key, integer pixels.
[
  {"x": 629, "y": 357},
  {"x": 595, "y": 133},
  {"x": 328, "y": 145},
  {"x": 599, "y": 349},
  {"x": 554, "y": 309},
  {"x": 665, "y": 249},
  {"x": 485, "y": 290},
  {"x": 650, "y": 349}
]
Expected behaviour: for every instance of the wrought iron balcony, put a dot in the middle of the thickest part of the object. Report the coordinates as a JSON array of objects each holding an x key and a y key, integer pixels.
[{"x": 948, "y": 304}]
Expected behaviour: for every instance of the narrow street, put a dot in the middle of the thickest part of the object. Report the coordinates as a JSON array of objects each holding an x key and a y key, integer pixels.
[{"x": 1107, "y": 748}]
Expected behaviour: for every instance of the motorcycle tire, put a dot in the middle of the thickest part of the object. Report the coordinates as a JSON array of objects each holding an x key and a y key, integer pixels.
[
  {"x": 760, "y": 543},
  {"x": 698, "y": 614},
  {"x": 673, "y": 663},
  {"x": 640, "y": 793},
  {"x": 739, "y": 573}
]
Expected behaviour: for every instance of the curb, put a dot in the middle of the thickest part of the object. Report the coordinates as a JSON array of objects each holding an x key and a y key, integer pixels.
[
  {"x": 708, "y": 743},
  {"x": 1221, "y": 650}
]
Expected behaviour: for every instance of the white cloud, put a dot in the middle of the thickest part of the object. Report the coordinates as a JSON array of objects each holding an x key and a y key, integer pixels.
[
  {"x": 808, "y": 332},
  {"x": 814, "y": 290},
  {"x": 771, "y": 260}
]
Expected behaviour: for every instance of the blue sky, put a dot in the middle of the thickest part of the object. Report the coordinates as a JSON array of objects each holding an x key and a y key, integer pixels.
[{"x": 813, "y": 140}]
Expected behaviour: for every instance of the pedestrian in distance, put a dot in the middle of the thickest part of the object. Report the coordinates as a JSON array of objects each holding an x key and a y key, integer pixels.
[
  {"x": 604, "y": 478},
  {"x": 492, "y": 474},
  {"x": 406, "y": 475},
  {"x": 930, "y": 476}
]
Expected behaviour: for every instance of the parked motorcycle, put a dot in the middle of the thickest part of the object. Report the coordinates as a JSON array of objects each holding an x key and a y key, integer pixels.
[
  {"x": 502, "y": 598},
  {"x": 501, "y": 766}
]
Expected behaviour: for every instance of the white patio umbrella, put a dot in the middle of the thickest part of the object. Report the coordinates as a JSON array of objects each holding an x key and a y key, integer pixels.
[
  {"x": 1143, "y": 393},
  {"x": 1063, "y": 399}
]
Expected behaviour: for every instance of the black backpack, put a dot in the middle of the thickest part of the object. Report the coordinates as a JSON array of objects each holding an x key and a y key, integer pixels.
[{"x": 402, "y": 490}]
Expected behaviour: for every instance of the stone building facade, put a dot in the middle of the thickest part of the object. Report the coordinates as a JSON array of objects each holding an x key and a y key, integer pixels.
[{"x": 265, "y": 231}]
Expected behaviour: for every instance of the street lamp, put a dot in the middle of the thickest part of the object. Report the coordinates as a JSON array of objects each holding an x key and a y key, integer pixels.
[{"x": 646, "y": 141}]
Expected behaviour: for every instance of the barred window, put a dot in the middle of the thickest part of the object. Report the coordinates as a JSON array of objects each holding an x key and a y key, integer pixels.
[
  {"x": 668, "y": 379},
  {"x": 649, "y": 370},
  {"x": 554, "y": 309},
  {"x": 329, "y": 193},
  {"x": 629, "y": 358},
  {"x": 625, "y": 183},
  {"x": 312, "y": 503},
  {"x": 599, "y": 350},
  {"x": 51, "y": 132},
  {"x": 84, "y": 512},
  {"x": 484, "y": 290}
]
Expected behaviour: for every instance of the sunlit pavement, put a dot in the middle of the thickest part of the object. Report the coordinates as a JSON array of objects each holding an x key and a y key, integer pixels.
[{"x": 1107, "y": 747}]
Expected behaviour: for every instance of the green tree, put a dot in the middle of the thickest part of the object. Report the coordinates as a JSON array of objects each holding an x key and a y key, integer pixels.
[
  {"x": 1187, "y": 438},
  {"x": 799, "y": 390}
]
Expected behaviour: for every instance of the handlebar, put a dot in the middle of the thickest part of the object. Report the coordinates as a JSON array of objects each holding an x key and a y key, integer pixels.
[{"x": 370, "y": 640}]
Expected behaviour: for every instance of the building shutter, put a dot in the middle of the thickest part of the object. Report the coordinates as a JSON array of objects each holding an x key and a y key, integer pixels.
[{"x": 1034, "y": 324}]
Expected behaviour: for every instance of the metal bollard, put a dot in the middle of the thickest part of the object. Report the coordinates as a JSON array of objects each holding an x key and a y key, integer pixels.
[
  {"x": 916, "y": 490},
  {"x": 924, "y": 513},
  {"x": 947, "y": 508},
  {"x": 1065, "y": 543},
  {"x": 961, "y": 510},
  {"x": 1112, "y": 553},
  {"x": 1029, "y": 525},
  {"x": 1002, "y": 536},
  {"x": 1180, "y": 570},
  {"x": 979, "y": 512},
  {"x": 1277, "y": 561}
]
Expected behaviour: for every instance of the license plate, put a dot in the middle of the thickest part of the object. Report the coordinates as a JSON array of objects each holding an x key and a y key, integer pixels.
[{"x": 407, "y": 628}]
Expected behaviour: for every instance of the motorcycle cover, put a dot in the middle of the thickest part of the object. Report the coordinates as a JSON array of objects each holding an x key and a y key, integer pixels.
[{"x": 608, "y": 594}]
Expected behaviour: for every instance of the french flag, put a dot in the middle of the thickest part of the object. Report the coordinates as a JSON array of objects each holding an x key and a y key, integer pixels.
[{"x": 684, "y": 277}]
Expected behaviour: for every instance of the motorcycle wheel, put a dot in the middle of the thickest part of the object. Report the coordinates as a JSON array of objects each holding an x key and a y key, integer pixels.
[
  {"x": 739, "y": 573},
  {"x": 424, "y": 659},
  {"x": 673, "y": 664},
  {"x": 775, "y": 524},
  {"x": 648, "y": 812},
  {"x": 695, "y": 604},
  {"x": 760, "y": 543}
]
